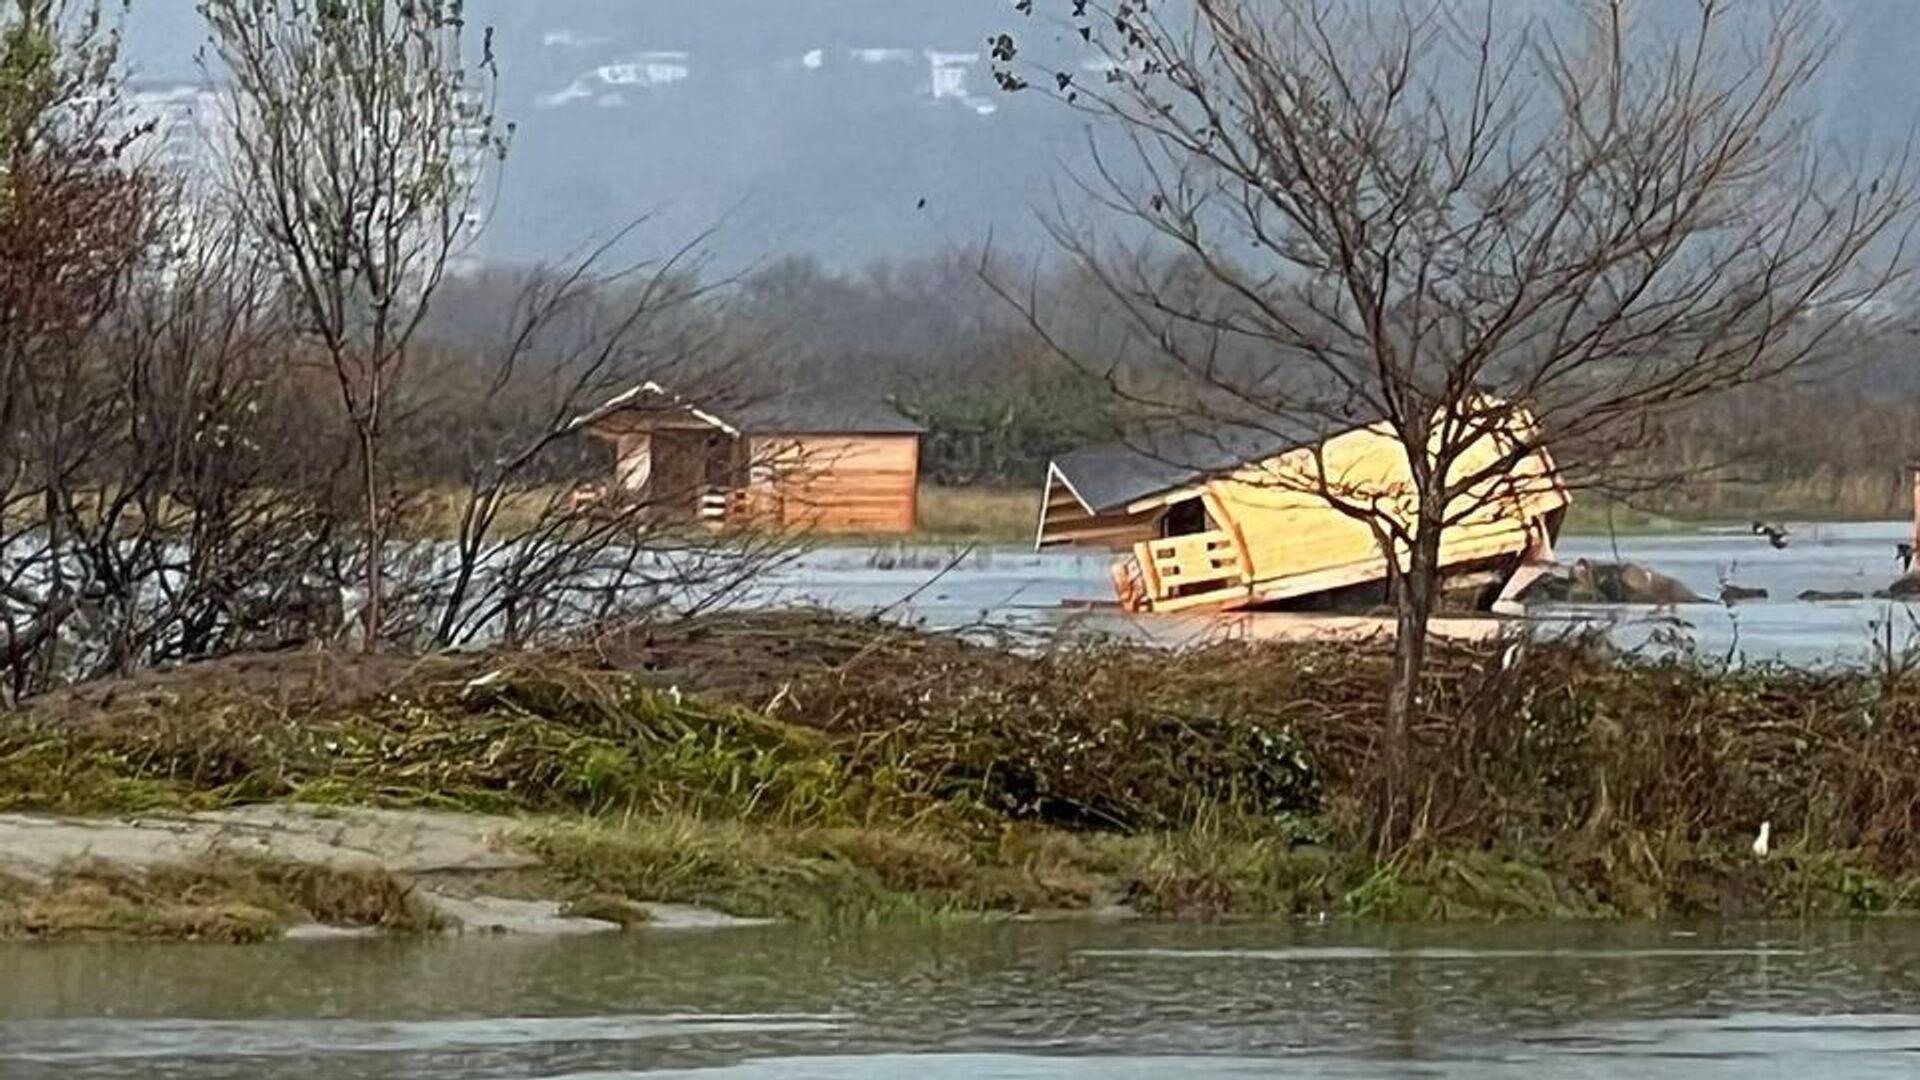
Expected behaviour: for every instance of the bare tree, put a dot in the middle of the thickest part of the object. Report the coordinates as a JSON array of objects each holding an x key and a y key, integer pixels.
[
  {"x": 1456, "y": 223},
  {"x": 213, "y": 527},
  {"x": 74, "y": 224},
  {"x": 528, "y": 555},
  {"x": 359, "y": 139},
  {"x": 197, "y": 389}
]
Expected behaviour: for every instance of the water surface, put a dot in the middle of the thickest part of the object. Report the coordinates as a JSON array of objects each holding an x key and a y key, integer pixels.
[
  {"x": 1830, "y": 1001},
  {"x": 950, "y": 587}
]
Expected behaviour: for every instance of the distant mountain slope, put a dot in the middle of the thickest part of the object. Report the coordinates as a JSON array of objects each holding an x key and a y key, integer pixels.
[{"x": 819, "y": 125}]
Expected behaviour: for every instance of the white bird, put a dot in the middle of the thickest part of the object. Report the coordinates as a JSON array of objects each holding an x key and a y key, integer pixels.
[{"x": 1763, "y": 843}]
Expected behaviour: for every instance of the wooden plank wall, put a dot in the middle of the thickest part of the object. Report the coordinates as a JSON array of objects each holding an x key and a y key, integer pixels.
[
  {"x": 837, "y": 483},
  {"x": 1292, "y": 533},
  {"x": 1064, "y": 521}
]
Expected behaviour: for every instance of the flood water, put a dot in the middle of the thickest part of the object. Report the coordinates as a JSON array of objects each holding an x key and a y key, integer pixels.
[
  {"x": 1021, "y": 1002},
  {"x": 948, "y": 587}
]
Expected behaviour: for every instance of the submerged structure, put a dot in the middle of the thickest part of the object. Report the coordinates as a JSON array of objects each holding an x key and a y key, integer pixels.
[
  {"x": 1239, "y": 518},
  {"x": 792, "y": 461}
]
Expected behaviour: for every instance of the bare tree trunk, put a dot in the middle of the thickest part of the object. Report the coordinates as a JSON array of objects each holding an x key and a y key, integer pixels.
[
  {"x": 371, "y": 616},
  {"x": 1414, "y": 602}
]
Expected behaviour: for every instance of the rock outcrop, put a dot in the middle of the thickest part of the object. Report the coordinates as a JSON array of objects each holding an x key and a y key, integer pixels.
[{"x": 1589, "y": 582}]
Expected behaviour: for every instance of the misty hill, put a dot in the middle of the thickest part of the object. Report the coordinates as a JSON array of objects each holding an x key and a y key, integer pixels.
[{"x": 818, "y": 125}]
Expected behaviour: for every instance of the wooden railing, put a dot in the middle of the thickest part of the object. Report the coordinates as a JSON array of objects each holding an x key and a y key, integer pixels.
[
  {"x": 1130, "y": 585},
  {"x": 728, "y": 508},
  {"x": 1190, "y": 567}
]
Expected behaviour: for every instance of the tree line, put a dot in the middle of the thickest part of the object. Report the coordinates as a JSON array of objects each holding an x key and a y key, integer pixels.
[{"x": 1000, "y": 398}]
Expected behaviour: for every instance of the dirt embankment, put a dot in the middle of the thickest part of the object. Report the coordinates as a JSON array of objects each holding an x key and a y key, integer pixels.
[
  {"x": 252, "y": 872},
  {"x": 803, "y": 766}
]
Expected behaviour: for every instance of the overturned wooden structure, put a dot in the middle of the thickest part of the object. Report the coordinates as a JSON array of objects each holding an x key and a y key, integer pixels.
[
  {"x": 791, "y": 462},
  {"x": 1234, "y": 519}
]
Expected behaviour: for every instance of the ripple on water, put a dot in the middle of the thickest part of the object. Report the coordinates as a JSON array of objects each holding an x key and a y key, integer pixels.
[
  {"x": 960, "y": 1067},
  {"x": 1821, "y": 1001},
  {"x": 1745, "y": 1035},
  {"x": 95, "y": 1039},
  {"x": 1310, "y": 954}
]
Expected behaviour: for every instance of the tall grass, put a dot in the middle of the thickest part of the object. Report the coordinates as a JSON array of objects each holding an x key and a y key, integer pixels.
[
  {"x": 984, "y": 514},
  {"x": 1824, "y": 495}
]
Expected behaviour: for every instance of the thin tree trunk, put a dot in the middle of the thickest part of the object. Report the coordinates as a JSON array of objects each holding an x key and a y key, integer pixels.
[
  {"x": 372, "y": 617},
  {"x": 1414, "y": 603}
]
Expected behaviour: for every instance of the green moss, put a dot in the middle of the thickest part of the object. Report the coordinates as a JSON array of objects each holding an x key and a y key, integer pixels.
[
  {"x": 807, "y": 874},
  {"x": 228, "y": 900},
  {"x": 546, "y": 739}
]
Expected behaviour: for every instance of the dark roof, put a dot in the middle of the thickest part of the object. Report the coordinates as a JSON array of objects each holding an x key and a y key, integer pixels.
[
  {"x": 814, "y": 412},
  {"x": 795, "y": 412},
  {"x": 1109, "y": 476}
]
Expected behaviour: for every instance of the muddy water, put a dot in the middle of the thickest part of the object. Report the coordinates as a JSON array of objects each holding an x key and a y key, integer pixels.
[{"x": 1832, "y": 1001}]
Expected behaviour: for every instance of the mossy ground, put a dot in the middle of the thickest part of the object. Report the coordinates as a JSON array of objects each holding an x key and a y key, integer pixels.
[{"x": 216, "y": 899}]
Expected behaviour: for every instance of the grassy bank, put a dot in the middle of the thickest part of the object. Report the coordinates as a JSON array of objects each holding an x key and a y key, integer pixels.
[{"x": 825, "y": 769}]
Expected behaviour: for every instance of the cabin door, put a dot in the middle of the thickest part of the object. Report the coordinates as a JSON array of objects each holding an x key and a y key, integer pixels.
[
  {"x": 679, "y": 475},
  {"x": 722, "y": 478},
  {"x": 1184, "y": 518}
]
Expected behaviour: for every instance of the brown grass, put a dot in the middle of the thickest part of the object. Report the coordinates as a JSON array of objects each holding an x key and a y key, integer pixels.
[
  {"x": 833, "y": 875},
  {"x": 983, "y": 515},
  {"x": 1865, "y": 495},
  {"x": 814, "y": 720},
  {"x": 435, "y": 514}
]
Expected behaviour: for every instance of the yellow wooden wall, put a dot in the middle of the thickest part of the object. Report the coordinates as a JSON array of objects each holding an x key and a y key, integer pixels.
[
  {"x": 836, "y": 483},
  {"x": 1292, "y": 532}
]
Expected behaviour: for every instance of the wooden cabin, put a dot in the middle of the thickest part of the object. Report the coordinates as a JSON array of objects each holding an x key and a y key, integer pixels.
[
  {"x": 1229, "y": 519},
  {"x": 790, "y": 462}
]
